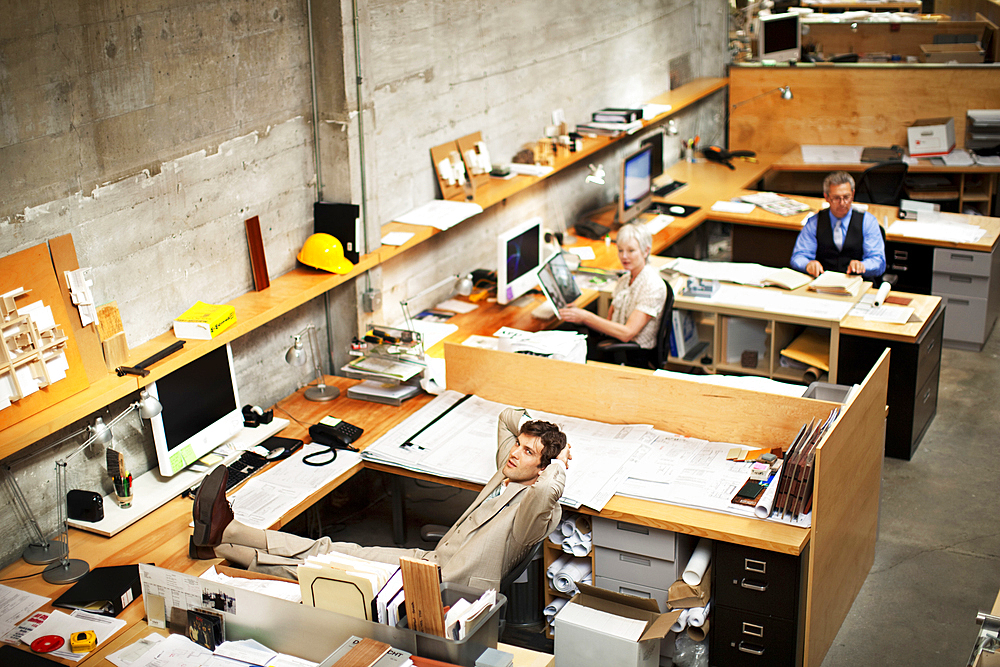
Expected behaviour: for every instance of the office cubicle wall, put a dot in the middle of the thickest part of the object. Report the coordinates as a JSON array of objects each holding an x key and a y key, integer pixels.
[
  {"x": 862, "y": 105},
  {"x": 902, "y": 39}
]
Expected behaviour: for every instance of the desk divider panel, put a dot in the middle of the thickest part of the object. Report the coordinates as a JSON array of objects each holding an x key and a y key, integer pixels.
[
  {"x": 848, "y": 472},
  {"x": 852, "y": 105}
]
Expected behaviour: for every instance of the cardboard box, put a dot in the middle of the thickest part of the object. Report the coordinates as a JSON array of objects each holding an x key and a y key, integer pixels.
[
  {"x": 585, "y": 642},
  {"x": 931, "y": 136},
  {"x": 946, "y": 53}
]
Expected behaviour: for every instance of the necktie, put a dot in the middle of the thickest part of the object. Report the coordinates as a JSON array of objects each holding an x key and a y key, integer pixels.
[{"x": 838, "y": 235}]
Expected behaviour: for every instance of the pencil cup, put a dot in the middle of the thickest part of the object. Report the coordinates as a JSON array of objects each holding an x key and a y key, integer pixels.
[
  {"x": 689, "y": 153},
  {"x": 124, "y": 501}
]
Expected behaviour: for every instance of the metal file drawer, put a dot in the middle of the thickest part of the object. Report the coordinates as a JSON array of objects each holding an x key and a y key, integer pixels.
[
  {"x": 635, "y": 568},
  {"x": 755, "y": 579},
  {"x": 967, "y": 262},
  {"x": 925, "y": 403},
  {"x": 635, "y": 539},
  {"x": 628, "y": 588},
  {"x": 740, "y": 638},
  {"x": 960, "y": 284},
  {"x": 965, "y": 319},
  {"x": 928, "y": 352}
]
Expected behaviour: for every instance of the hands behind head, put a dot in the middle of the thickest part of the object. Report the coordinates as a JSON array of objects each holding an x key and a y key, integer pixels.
[{"x": 565, "y": 456}]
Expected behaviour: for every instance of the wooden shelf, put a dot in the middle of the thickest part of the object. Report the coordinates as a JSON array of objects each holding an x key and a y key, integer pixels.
[{"x": 297, "y": 287}]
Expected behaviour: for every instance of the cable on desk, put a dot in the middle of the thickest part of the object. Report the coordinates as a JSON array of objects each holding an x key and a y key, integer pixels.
[
  {"x": 42, "y": 571},
  {"x": 300, "y": 423}
]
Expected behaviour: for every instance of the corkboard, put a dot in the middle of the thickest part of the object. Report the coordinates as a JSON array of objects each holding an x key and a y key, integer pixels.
[
  {"x": 438, "y": 153},
  {"x": 468, "y": 143},
  {"x": 32, "y": 270}
]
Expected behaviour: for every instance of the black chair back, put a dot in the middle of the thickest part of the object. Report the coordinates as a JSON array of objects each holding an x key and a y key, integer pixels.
[
  {"x": 666, "y": 326},
  {"x": 882, "y": 184}
]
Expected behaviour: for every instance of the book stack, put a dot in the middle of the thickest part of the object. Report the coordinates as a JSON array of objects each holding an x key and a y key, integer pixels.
[
  {"x": 612, "y": 122},
  {"x": 616, "y": 115},
  {"x": 353, "y": 586},
  {"x": 789, "y": 279},
  {"x": 795, "y": 485},
  {"x": 837, "y": 284},
  {"x": 204, "y": 321}
]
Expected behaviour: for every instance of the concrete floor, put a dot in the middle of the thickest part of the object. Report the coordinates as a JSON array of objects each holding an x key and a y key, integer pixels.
[{"x": 937, "y": 560}]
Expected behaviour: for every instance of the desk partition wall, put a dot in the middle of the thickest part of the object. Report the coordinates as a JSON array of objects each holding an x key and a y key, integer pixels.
[{"x": 861, "y": 105}]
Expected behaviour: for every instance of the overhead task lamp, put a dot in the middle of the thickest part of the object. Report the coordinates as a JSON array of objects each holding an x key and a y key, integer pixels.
[
  {"x": 459, "y": 283},
  {"x": 786, "y": 94},
  {"x": 296, "y": 356},
  {"x": 596, "y": 175}
]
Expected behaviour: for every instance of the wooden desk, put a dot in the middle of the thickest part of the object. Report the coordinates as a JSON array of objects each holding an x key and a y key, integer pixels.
[
  {"x": 870, "y": 5},
  {"x": 972, "y": 184}
]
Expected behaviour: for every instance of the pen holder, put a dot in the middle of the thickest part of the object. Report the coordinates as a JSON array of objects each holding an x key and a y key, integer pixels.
[{"x": 124, "y": 502}]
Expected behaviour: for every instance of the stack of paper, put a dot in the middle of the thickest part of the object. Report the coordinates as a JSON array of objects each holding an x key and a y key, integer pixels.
[
  {"x": 352, "y": 586},
  {"x": 838, "y": 284},
  {"x": 463, "y": 616}
]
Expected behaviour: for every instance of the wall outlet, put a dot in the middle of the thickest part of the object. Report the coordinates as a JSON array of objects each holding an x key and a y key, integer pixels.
[{"x": 371, "y": 300}]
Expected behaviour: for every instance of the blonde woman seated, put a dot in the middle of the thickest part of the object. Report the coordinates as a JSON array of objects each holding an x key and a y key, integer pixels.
[{"x": 636, "y": 304}]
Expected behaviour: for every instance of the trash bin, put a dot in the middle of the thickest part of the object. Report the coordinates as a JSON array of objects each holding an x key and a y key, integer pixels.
[{"x": 524, "y": 606}]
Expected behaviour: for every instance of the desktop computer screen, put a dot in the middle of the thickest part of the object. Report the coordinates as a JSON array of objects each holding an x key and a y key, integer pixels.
[
  {"x": 655, "y": 141},
  {"x": 519, "y": 255},
  {"x": 201, "y": 410},
  {"x": 778, "y": 37},
  {"x": 636, "y": 191}
]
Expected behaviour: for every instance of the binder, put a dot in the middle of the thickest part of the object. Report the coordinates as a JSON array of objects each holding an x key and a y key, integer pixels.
[{"x": 103, "y": 590}]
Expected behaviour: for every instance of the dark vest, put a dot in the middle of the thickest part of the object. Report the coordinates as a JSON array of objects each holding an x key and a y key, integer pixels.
[{"x": 854, "y": 243}]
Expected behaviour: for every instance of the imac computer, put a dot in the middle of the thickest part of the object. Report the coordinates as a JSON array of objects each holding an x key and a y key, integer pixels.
[
  {"x": 655, "y": 141},
  {"x": 778, "y": 37},
  {"x": 201, "y": 410},
  {"x": 636, "y": 191},
  {"x": 519, "y": 256}
]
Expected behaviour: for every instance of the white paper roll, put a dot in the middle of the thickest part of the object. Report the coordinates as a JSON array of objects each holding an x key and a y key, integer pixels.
[
  {"x": 558, "y": 564},
  {"x": 556, "y": 537},
  {"x": 697, "y": 615},
  {"x": 681, "y": 622},
  {"x": 553, "y": 608},
  {"x": 883, "y": 291},
  {"x": 766, "y": 503},
  {"x": 567, "y": 527},
  {"x": 696, "y": 567},
  {"x": 581, "y": 549},
  {"x": 566, "y": 578}
]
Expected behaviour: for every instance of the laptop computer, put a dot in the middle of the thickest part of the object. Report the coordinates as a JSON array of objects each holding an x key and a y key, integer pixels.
[{"x": 557, "y": 281}]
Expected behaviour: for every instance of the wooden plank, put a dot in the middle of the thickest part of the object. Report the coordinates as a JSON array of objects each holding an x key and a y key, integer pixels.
[
  {"x": 364, "y": 654},
  {"x": 64, "y": 259},
  {"x": 848, "y": 471},
  {"x": 878, "y": 103},
  {"x": 258, "y": 262},
  {"x": 422, "y": 589}
]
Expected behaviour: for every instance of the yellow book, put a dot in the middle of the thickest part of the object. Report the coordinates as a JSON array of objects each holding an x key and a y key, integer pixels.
[{"x": 204, "y": 321}]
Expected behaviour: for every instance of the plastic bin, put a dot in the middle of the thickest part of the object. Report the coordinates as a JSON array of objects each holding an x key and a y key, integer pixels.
[
  {"x": 824, "y": 391},
  {"x": 463, "y": 651},
  {"x": 524, "y": 608}
]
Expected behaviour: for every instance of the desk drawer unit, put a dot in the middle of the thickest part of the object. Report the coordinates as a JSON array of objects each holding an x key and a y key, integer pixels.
[
  {"x": 756, "y": 606},
  {"x": 967, "y": 282},
  {"x": 629, "y": 588},
  {"x": 911, "y": 264},
  {"x": 636, "y": 568},
  {"x": 636, "y": 539}
]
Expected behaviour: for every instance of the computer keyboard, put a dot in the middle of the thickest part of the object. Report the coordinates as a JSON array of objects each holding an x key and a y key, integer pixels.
[{"x": 248, "y": 463}]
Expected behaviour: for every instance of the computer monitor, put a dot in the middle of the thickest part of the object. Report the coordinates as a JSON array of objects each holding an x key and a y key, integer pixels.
[
  {"x": 201, "y": 410},
  {"x": 636, "y": 191},
  {"x": 655, "y": 141},
  {"x": 519, "y": 254},
  {"x": 778, "y": 37}
]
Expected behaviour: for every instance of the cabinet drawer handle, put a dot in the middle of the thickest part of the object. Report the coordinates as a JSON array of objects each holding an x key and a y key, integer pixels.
[
  {"x": 631, "y": 591},
  {"x": 753, "y": 585},
  {"x": 753, "y": 649},
  {"x": 963, "y": 258},
  {"x": 958, "y": 302},
  {"x": 901, "y": 255},
  {"x": 753, "y": 629},
  {"x": 635, "y": 560},
  {"x": 930, "y": 345},
  {"x": 758, "y": 566},
  {"x": 960, "y": 279},
  {"x": 927, "y": 395},
  {"x": 900, "y": 267},
  {"x": 632, "y": 528}
]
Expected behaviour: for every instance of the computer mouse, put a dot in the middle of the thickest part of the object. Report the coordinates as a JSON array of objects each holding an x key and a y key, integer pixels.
[{"x": 677, "y": 210}]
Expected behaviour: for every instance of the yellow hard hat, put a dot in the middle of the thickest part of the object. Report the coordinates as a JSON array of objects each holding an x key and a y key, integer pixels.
[{"x": 322, "y": 251}]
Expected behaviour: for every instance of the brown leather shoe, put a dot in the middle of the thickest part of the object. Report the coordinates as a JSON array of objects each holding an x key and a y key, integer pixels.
[{"x": 212, "y": 514}]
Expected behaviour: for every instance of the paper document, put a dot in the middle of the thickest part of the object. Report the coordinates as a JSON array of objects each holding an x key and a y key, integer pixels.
[
  {"x": 931, "y": 227},
  {"x": 744, "y": 273},
  {"x": 284, "y": 590},
  {"x": 456, "y": 306},
  {"x": 732, "y": 207},
  {"x": 63, "y": 625},
  {"x": 657, "y": 224},
  {"x": 441, "y": 213},
  {"x": 584, "y": 252},
  {"x": 397, "y": 238},
  {"x": 16, "y": 604},
  {"x": 773, "y": 301},
  {"x": 538, "y": 170},
  {"x": 831, "y": 154},
  {"x": 958, "y": 158},
  {"x": 889, "y": 314},
  {"x": 748, "y": 382}
]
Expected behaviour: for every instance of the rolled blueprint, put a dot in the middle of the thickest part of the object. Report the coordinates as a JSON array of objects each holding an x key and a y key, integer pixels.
[
  {"x": 558, "y": 564},
  {"x": 553, "y": 608},
  {"x": 556, "y": 537},
  {"x": 696, "y": 567},
  {"x": 698, "y": 634},
  {"x": 681, "y": 622},
  {"x": 766, "y": 503},
  {"x": 698, "y": 615},
  {"x": 883, "y": 291},
  {"x": 576, "y": 570}
]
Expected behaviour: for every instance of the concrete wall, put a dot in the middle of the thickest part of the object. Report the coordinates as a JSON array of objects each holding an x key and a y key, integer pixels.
[{"x": 150, "y": 131}]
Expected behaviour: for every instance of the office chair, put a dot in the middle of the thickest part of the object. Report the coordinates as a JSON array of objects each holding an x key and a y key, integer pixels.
[
  {"x": 507, "y": 583},
  {"x": 882, "y": 183},
  {"x": 630, "y": 354}
]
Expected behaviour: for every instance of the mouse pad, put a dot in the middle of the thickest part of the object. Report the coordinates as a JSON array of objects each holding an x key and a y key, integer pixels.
[{"x": 665, "y": 208}]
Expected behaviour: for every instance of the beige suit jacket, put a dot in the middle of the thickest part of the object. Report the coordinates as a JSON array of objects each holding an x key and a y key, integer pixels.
[{"x": 492, "y": 535}]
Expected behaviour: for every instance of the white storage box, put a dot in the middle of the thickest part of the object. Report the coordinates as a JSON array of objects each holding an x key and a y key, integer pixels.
[
  {"x": 931, "y": 136},
  {"x": 596, "y": 629}
]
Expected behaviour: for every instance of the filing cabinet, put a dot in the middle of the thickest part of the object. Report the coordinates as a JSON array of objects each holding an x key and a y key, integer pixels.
[
  {"x": 756, "y": 607},
  {"x": 639, "y": 560},
  {"x": 914, "y": 369},
  {"x": 967, "y": 282}
]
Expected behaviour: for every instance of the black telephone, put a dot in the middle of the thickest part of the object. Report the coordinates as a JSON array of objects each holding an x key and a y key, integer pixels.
[
  {"x": 335, "y": 434},
  {"x": 590, "y": 229}
]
